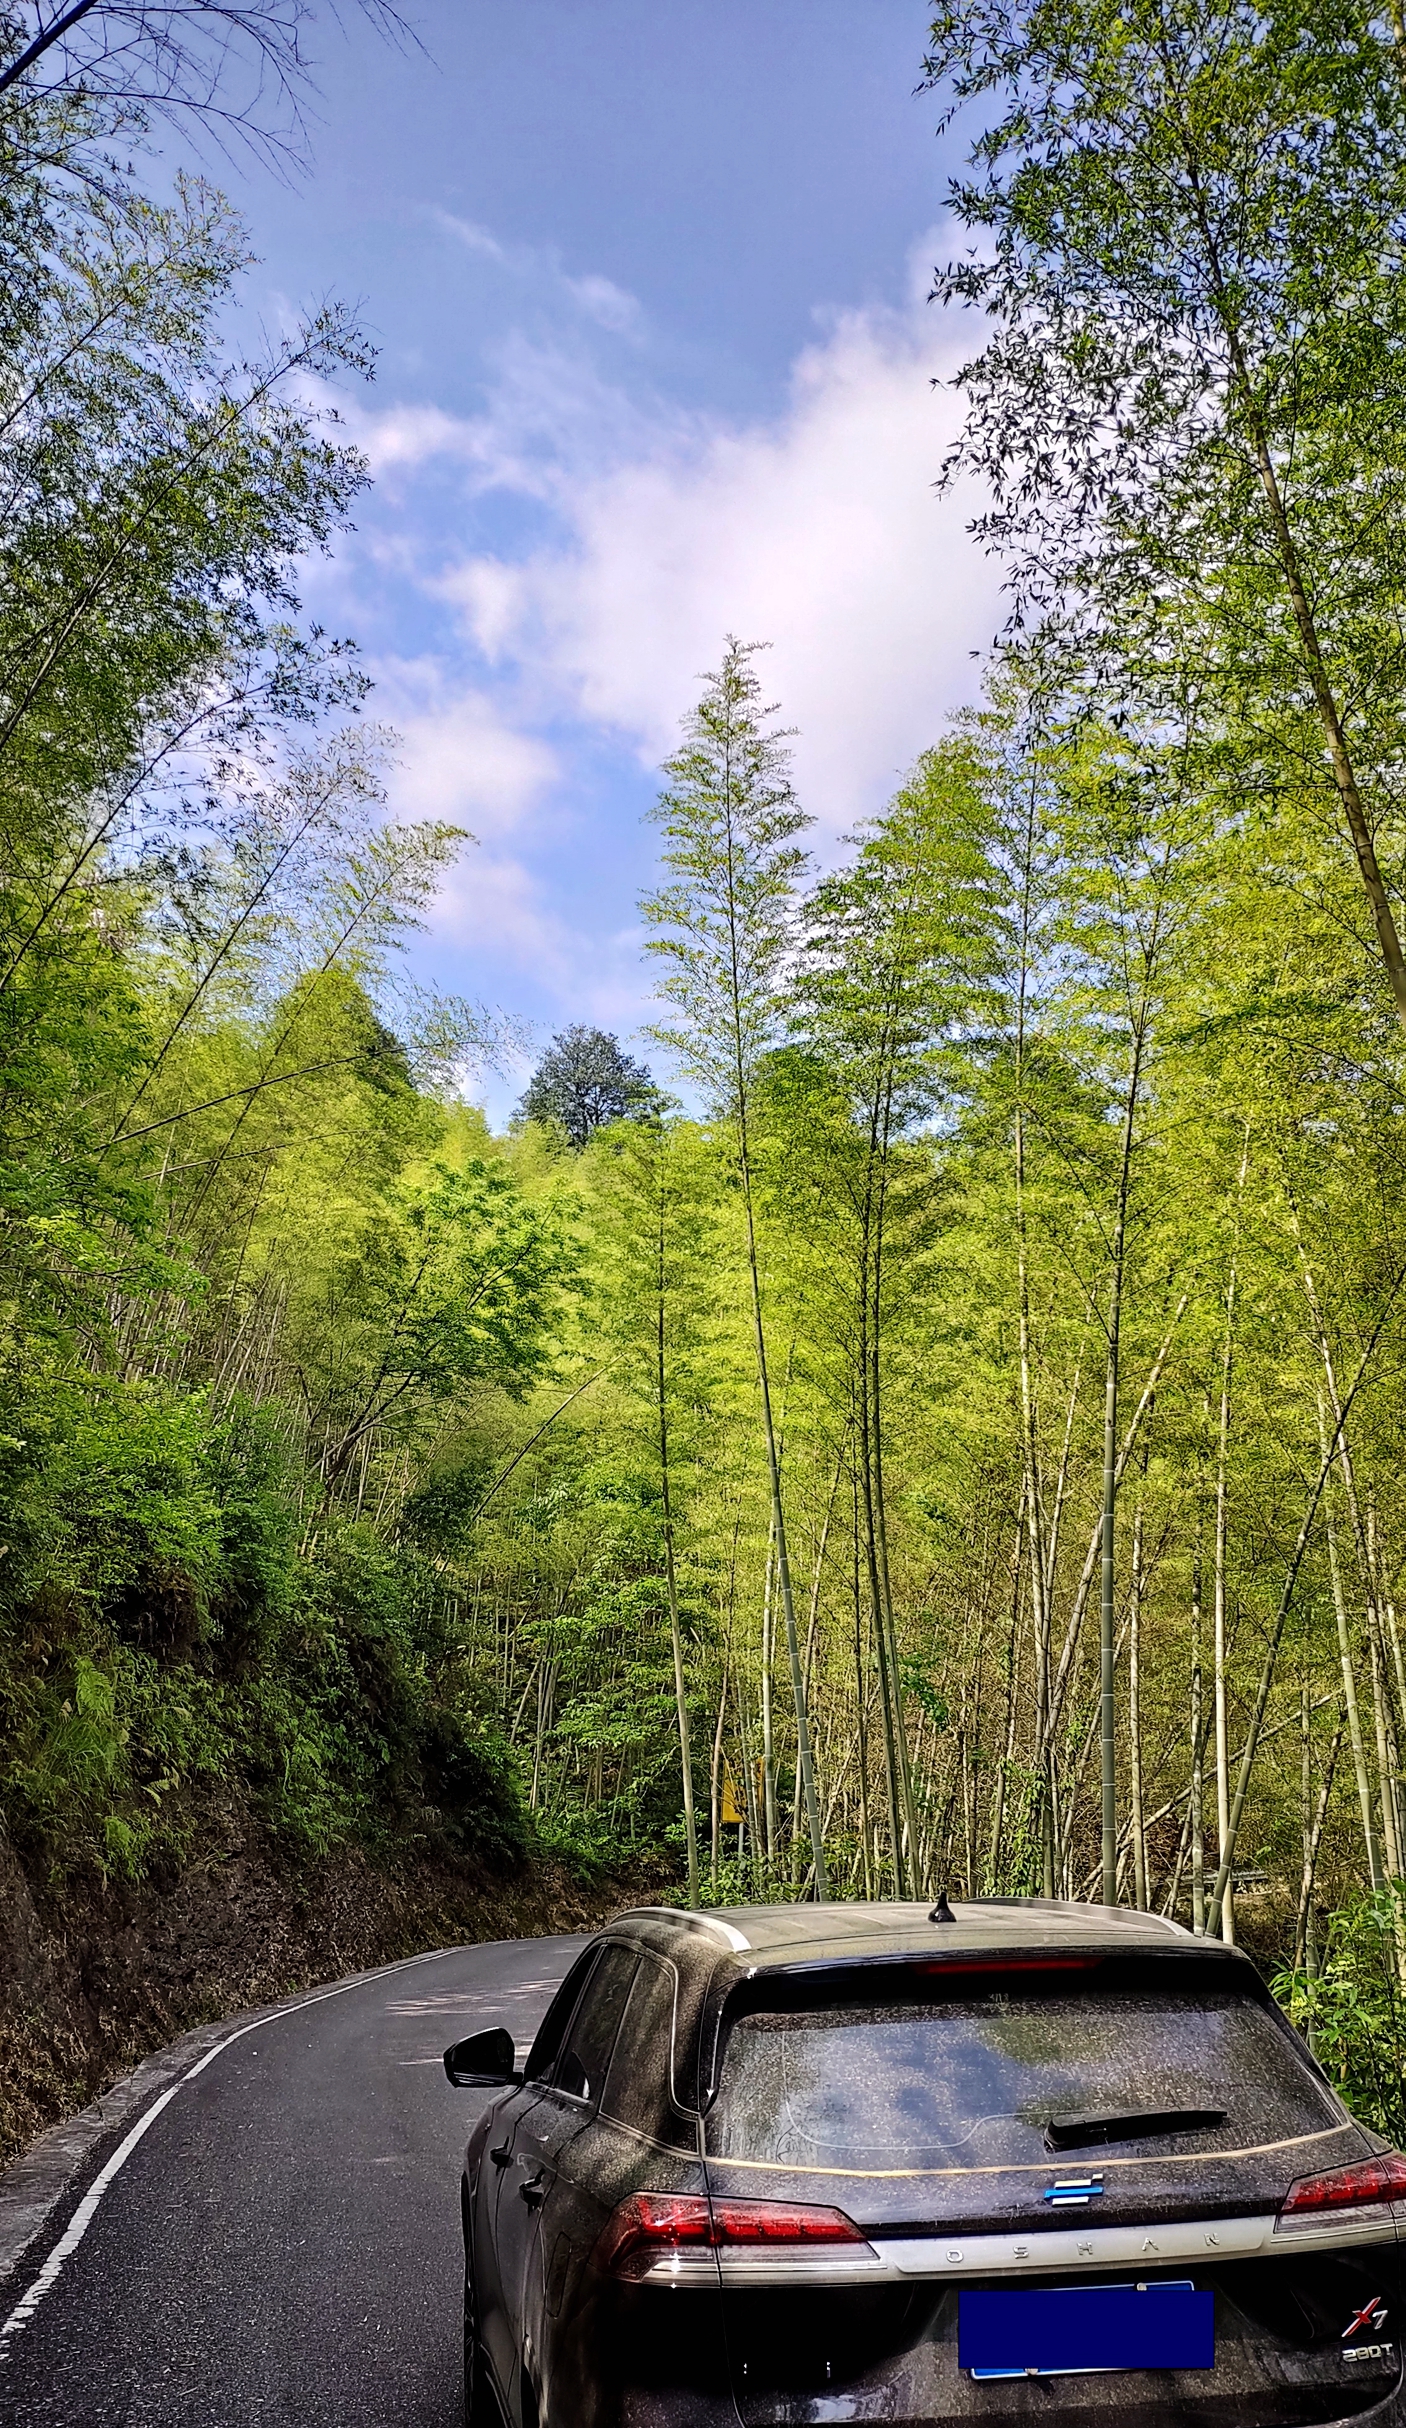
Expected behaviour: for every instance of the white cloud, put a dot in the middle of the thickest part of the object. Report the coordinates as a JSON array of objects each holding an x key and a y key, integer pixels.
[
  {"x": 470, "y": 235},
  {"x": 818, "y": 531},
  {"x": 629, "y": 536},
  {"x": 492, "y": 903},
  {"x": 491, "y": 906},
  {"x": 459, "y": 757},
  {"x": 603, "y": 301},
  {"x": 406, "y": 436},
  {"x": 551, "y": 420},
  {"x": 599, "y": 298}
]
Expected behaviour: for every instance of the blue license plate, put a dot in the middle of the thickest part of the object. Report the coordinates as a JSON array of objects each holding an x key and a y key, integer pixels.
[{"x": 1072, "y": 2328}]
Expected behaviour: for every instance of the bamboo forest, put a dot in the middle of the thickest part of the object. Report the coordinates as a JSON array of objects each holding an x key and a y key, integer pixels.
[{"x": 926, "y": 1418}]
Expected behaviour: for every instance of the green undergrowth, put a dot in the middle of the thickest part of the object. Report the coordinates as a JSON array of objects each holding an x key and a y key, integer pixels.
[
  {"x": 1350, "y": 2002},
  {"x": 179, "y": 1613}
]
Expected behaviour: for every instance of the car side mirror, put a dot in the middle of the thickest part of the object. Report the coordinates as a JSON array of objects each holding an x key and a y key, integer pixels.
[{"x": 484, "y": 2058}]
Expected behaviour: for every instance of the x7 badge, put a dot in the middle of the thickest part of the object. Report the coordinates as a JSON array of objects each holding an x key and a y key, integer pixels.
[{"x": 1372, "y": 2314}]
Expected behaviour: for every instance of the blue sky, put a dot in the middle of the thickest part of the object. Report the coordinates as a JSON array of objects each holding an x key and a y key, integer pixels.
[{"x": 648, "y": 281}]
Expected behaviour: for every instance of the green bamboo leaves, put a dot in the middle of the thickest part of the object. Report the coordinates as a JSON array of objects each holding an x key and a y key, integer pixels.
[{"x": 1188, "y": 240}]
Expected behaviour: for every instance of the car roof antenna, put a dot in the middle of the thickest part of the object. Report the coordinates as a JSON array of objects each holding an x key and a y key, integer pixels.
[{"x": 942, "y": 1911}]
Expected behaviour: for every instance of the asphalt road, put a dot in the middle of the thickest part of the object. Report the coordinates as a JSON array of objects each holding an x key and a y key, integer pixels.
[{"x": 282, "y": 2247}]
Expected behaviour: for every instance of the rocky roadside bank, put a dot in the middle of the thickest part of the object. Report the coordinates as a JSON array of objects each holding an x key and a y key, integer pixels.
[{"x": 95, "y": 1975}]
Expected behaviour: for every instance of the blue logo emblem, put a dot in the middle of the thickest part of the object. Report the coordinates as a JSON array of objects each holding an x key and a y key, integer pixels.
[{"x": 1075, "y": 2191}]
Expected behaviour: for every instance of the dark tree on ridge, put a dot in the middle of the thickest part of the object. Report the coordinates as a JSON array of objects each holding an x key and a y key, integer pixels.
[{"x": 583, "y": 1080}]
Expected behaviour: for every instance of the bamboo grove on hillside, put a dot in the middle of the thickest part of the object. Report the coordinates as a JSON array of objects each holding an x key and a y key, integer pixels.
[
  {"x": 955, "y": 1442},
  {"x": 1040, "y": 1186}
]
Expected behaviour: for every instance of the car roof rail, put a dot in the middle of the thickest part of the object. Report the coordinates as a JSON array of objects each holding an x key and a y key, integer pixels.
[{"x": 687, "y": 1914}]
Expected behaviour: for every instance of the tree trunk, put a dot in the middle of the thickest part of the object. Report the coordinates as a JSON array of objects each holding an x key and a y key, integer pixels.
[
  {"x": 1370, "y": 1840},
  {"x": 1198, "y": 1755},
  {"x": 1391, "y": 1845},
  {"x": 661, "y": 1383},
  {"x": 880, "y": 1643},
  {"x": 875, "y": 1404},
  {"x": 1219, "y": 1642},
  {"x": 1073, "y": 1632},
  {"x": 1030, "y": 1455},
  {"x": 1312, "y": 1832},
  {"x": 1108, "y": 1767},
  {"x": 994, "y": 1874},
  {"x": 783, "y": 1564},
  {"x": 1139, "y": 1824},
  {"x": 715, "y": 1780},
  {"x": 769, "y": 1814},
  {"x": 861, "y": 1710},
  {"x": 1271, "y": 1658}
]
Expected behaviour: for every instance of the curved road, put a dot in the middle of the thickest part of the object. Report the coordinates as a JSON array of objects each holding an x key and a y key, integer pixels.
[{"x": 281, "y": 2249}]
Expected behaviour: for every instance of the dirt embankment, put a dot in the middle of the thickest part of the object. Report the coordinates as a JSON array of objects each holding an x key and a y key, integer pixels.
[{"x": 95, "y": 1976}]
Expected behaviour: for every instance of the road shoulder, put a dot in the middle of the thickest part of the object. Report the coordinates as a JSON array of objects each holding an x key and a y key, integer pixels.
[{"x": 38, "y": 2187}]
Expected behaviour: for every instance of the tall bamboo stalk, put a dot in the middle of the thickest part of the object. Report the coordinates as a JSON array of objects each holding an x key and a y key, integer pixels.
[
  {"x": 1220, "y": 1649},
  {"x": 1138, "y": 1819},
  {"x": 1108, "y": 1758},
  {"x": 1198, "y": 1754},
  {"x": 1370, "y": 1839}
]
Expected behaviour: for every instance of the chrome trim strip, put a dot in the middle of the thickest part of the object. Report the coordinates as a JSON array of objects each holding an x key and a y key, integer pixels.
[
  {"x": 1207, "y": 2239},
  {"x": 1040, "y": 2254},
  {"x": 1036, "y": 2253}
]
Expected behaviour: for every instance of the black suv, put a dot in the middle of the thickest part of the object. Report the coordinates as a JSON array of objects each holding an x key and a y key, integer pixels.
[{"x": 1004, "y": 2161}]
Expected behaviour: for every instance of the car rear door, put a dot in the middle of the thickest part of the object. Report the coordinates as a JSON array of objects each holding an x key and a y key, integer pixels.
[
  {"x": 1041, "y": 2141},
  {"x": 552, "y": 2173},
  {"x": 505, "y": 2220},
  {"x": 621, "y": 2343}
]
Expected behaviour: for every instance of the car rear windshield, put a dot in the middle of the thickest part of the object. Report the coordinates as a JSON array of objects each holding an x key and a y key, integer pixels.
[{"x": 1008, "y": 2079}]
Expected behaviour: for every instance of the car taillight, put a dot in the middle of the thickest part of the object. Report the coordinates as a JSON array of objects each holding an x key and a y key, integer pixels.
[
  {"x": 774, "y": 2221},
  {"x": 1366, "y": 2184},
  {"x": 654, "y": 2226}
]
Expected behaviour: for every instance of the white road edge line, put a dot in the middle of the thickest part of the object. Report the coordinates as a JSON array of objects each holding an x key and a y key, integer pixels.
[{"x": 86, "y": 2210}]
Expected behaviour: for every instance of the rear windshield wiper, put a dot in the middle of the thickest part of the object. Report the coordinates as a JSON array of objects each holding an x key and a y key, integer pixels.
[{"x": 1139, "y": 2124}]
